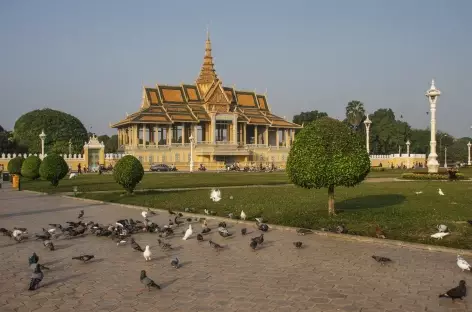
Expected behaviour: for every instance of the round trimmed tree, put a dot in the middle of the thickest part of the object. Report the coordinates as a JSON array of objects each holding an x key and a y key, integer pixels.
[
  {"x": 14, "y": 165},
  {"x": 30, "y": 167},
  {"x": 326, "y": 154},
  {"x": 53, "y": 168},
  {"x": 127, "y": 172}
]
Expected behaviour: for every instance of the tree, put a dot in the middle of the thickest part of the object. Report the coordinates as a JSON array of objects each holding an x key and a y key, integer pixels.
[
  {"x": 326, "y": 154},
  {"x": 355, "y": 113},
  {"x": 58, "y": 126},
  {"x": 112, "y": 144},
  {"x": 128, "y": 172},
  {"x": 53, "y": 169},
  {"x": 457, "y": 151},
  {"x": 14, "y": 165},
  {"x": 307, "y": 117}
]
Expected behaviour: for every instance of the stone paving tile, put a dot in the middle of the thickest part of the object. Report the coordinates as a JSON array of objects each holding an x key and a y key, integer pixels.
[{"x": 328, "y": 275}]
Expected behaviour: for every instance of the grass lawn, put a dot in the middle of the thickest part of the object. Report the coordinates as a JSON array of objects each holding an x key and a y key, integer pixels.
[{"x": 393, "y": 205}]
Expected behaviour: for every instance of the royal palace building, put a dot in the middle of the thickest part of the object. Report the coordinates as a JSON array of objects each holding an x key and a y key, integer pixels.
[{"x": 225, "y": 125}]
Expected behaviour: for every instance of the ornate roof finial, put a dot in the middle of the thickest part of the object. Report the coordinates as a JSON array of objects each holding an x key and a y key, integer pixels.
[
  {"x": 433, "y": 87},
  {"x": 207, "y": 72}
]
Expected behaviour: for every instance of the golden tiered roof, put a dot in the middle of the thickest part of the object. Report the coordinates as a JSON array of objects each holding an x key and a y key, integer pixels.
[{"x": 192, "y": 103}]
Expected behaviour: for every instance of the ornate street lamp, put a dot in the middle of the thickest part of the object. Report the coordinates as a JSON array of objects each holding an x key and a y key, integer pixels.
[
  {"x": 433, "y": 94},
  {"x": 408, "y": 143},
  {"x": 367, "y": 123},
  {"x": 192, "y": 141},
  {"x": 42, "y": 136},
  {"x": 70, "y": 147},
  {"x": 468, "y": 158}
]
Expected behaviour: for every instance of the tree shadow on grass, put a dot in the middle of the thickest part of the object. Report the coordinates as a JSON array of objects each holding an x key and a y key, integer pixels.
[{"x": 370, "y": 201}]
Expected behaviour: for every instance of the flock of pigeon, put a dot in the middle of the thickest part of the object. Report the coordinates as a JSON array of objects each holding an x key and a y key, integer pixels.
[{"x": 121, "y": 232}]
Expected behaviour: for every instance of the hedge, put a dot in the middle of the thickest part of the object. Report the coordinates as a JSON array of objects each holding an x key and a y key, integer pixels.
[
  {"x": 432, "y": 176},
  {"x": 128, "y": 172},
  {"x": 53, "y": 168},
  {"x": 30, "y": 167},
  {"x": 14, "y": 165}
]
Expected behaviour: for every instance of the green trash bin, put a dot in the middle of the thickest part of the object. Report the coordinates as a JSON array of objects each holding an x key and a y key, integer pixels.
[{"x": 5, "y": 177}]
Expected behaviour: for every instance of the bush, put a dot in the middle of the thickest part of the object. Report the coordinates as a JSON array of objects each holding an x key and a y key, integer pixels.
[
  {"x": 377, "y": 169},
  {"x": 432, "y": 176},
  {"x": 128, "y": 172},
  {"x": 14, "y": 165},
  {"x": 30, "y": 167},
  {"x": 53, "y": 168}
]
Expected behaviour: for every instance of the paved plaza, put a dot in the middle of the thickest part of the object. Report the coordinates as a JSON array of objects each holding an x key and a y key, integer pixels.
[{"x": 329, "y": 274}]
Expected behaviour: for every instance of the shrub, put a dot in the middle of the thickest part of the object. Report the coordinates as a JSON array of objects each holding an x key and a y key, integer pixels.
[
  {"x": 326, "y": 153},
  {"x": 30, "y": 167},
  {"x": 14, "y": 165},
  {"x": 431, "y": 176},
  {"x": 53, "y": 168},
  {"x": 128, "y": 172},
  {"x": 377, "y": 169}
]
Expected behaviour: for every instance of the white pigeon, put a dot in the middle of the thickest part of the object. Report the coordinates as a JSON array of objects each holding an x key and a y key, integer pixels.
[
  {"x": 418, "y": 193},
  {"x": 144, "y": 214},
  {"x": 243, "y": 215},
  {"x": 147, "y": 253},
  {"x": 439, "y": 235},
  {"x": 442, "y": 228},
  {"x": 464, "y": 265},
  {"x": 52, "y": 231},
  {"x": 188, "y": 233},
  {"x": 440, "y": 192},
  {"x": 73, "y": 175},
  {"x": 206, "y": 211},
  {"x": 215, "y": 195},
  {"x": 17, "y": 233},
  {"x": 121, "y": 243}
]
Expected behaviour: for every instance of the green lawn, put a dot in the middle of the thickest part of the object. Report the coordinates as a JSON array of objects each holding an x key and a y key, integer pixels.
[{"x": 393, "y": 205}]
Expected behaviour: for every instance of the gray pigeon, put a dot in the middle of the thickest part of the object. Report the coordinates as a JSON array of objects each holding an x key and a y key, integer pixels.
[
  {"x": 147, "y": 282},
  {"x": 36, "y": 277},
  {"x": 175, "y": 263}
]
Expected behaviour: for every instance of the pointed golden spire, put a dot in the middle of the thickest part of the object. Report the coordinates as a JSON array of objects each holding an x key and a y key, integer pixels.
[{"x": 207, "y": 72}]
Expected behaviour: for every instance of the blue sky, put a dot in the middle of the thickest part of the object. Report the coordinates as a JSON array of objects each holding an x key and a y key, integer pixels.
[{"x": 91, "y": 58}]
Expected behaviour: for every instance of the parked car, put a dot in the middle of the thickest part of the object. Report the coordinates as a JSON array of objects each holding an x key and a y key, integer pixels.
[{"x": 159, "y": 167}]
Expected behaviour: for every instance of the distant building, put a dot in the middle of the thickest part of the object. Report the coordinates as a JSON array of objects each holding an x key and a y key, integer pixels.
[{"x": 227, "y": 125}]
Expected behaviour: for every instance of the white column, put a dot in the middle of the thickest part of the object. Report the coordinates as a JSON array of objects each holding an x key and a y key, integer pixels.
[
  {"x": 244, "y": 133},
  {"x": 144, "y": 134},
  {"x": 255, "y": 134},
  {"x": 287, "y": 139},
  {"x": 42, "y": 136},
  {"x": 169, "y": 135},
  {"x": 213, "y": 128},
  {"x": 367, "y": 124},
  {"x": 266, "y": 136},
  {"x": 408, "y": 154},
  {"x": 277, "y": 139},
  {"x": 445, "y": 157},
  {"x": 468, "y": 158},
  {"x": 156, "y": 135},
  {"x": 235, "y": 129},
  {"x": 433, "y": 94}
]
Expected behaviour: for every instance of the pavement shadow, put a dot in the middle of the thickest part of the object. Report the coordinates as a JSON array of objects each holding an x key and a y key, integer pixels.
[
  {"x": 32, "y": 212},
  {"x": 370, "y": 201},
  {"x": 61, "y": 280},
  {"x": 63, "y": 246},
  {"x": 168, "y": 283},
  {"x": 185, "y": 263}
]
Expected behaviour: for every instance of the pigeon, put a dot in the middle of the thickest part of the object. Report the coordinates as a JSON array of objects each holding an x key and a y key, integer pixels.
[
  {"x": 458, "y": 292},
  {"x": 215, "y": 195},
  {"x": 135, "y": 246},
  {"x": 464, "y": 265},
  {"x": 304, "y": 231},
  {"x": 419, "y": 192},
  {"x": 231, "y": 197},
  {"x": 243, "y": 215},
  {"x": 253, "y": 245},
  {"x": 200, "y": 237},
  {"x": 81, "y": 214},
  {"x": 164, "y": 246},
  {"x": 379, "y": 233},
  {"x": 440, "y": 192},
  {"x": 188, "y": 233},
  {"x": 258, "y": 239},
  {"x": 150, "y": 212},
  {"x": 206, "y": 230},
  {"x": 84, "y": 258},
  {"x": 175, "y": 263},
  {"x": 144, "y": 214},
  {"x": 170, "y": 211},
  {"x": 177, "y": 221},
  {"x": 260, "y": 220},
  {"x": 341, "y": 229},
  {"x": 33, "y": 259},
  {"x": 442, "y": 228},
  {"x": 18, "y": 235},
  {"x": 243, "y": 231},
  {"x": 224, "y": 232},
  {"x": 147, "y": 282},
  {"x": 381, "y": 260},
  {"x": 469, "y": 221},
  {"x": 121, "y": 242},
  {"x": 263, "y": 227},
  {"x": 36, "y": 277},
  {"x": 230, "y": 215},
  {"x": 189, "y": 210},
  {"x": 222, "y": 224},
  {"x": 48, "y": 244},
  {"x": 72, "y": 175},
  {"x": 216, "y": 246},
  {"x": 439, "y": 235},
  {"x": 298, "y": 244},
  {"x": 147, "y": 253},
  {"x": 206, "y": 211}
]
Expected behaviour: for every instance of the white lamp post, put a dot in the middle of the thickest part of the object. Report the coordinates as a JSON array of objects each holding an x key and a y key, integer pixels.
[
  {"x": 445, "y": 156},
  {"x": 468, "y": 158},
  {"x": 367, "y": 124},
  {"x": 70, "y": 147},
  {"x": 42, "y": 136},
  {"x": 408, "y": 154},
  {"x": 192, "y": 140},
  {"x": 432, "y": 94}
]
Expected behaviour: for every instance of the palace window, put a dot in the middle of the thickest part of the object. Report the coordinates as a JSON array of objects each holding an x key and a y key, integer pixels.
[
  {"x": 162, "y": 136},
  {"x": 177, "y": 131},
  {"x": 201, "y": 127},
  {"x": 222, "y": 130},
  {"x": 177, "y": 157},
  {"x": 281, "y": 137}
]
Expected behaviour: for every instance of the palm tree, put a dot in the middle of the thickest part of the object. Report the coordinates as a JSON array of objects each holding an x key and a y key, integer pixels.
[{"x": 355, "y": 113}]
